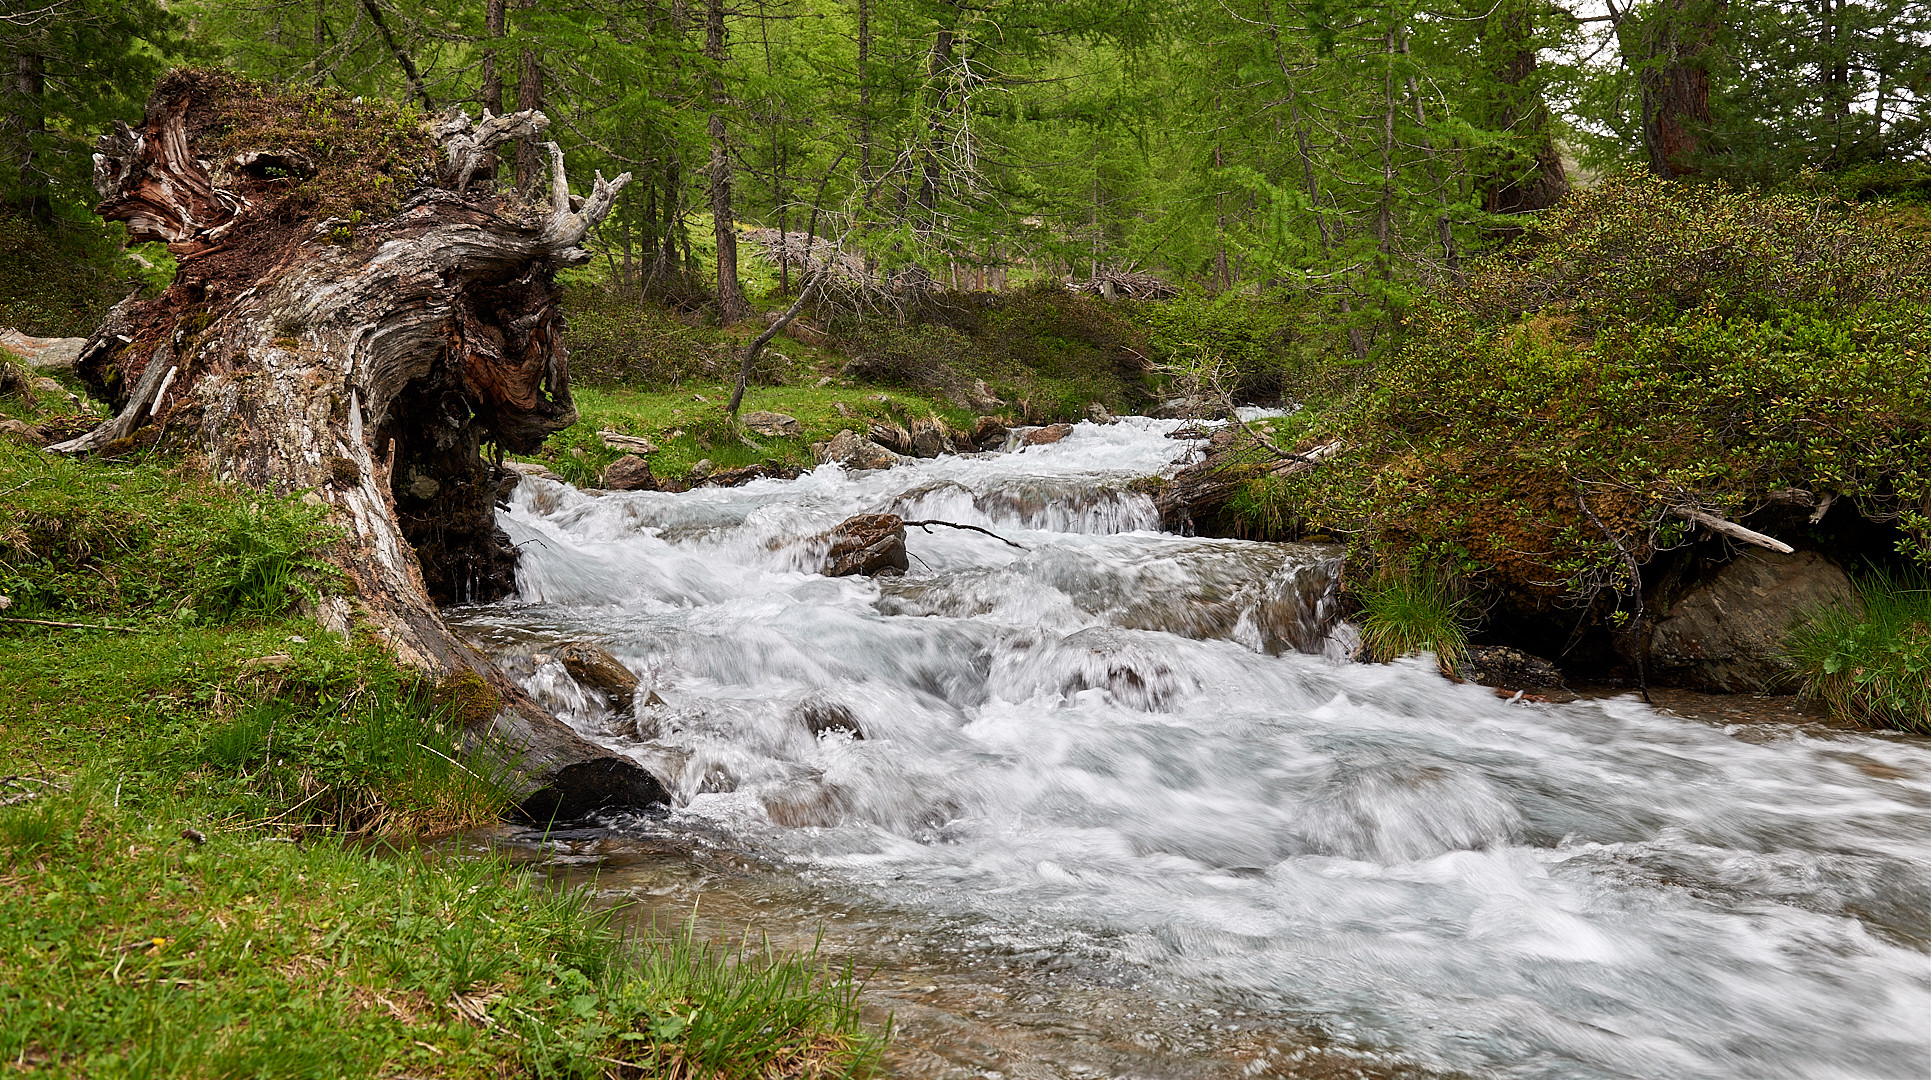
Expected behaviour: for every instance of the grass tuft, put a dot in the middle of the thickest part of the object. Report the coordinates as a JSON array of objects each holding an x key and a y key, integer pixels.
[
  {"x": 1871, "y": 663},
  {"x": 1413, "y": 609}
]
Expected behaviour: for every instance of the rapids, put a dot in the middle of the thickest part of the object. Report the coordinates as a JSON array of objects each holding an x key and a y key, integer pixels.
[{"x": 1134, "y": 741}]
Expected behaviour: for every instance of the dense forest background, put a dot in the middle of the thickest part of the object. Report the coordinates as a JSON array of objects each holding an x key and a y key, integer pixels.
[{"x": 1348, "y": 153}]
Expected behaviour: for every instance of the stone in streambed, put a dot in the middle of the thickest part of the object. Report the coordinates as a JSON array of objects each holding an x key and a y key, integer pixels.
[
  {"x": 1051, "y": 433},
  {"x": 822, "y": 716},
  {"x": 988, "y": 433},
  {"x": 629, "y": 473},
  {"x": 1512, "y": 669},
  {"x": 855, "y": 452},
  {"x": 929, "y": 439},
  {"x": 867, "y": 544},
  {"x": 594, "y": 667}
]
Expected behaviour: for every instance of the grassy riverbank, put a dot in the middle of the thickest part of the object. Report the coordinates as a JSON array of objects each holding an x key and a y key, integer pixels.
[{"x": 210, "y": 829}]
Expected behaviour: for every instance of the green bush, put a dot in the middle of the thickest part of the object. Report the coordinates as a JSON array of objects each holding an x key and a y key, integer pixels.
[
  {"x": 1647, "y": 346},
  {"x": 1871, "y": 663},
  {"x": 620, "y": 340}
]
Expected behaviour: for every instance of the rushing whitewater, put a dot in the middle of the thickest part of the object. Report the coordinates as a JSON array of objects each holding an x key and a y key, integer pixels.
[{"x": 1135, "y": 739}]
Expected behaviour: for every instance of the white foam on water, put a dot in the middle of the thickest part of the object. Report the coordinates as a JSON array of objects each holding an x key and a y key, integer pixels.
[{"x": 1130, "y": 734}]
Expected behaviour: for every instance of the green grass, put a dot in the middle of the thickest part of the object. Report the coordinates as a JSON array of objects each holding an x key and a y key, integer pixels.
[
  {"x": 687, "y": 429},
  {"x": 1871, "y": 663},
  {"x": 127, "y": 949},
  {"x": 1410, "y": 610},
  {"x": 208, "y": 845}
]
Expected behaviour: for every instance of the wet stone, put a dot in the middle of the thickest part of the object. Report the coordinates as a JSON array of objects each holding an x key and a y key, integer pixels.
[
  {"x": 594, "y": 667},
  {"x": 1051, "y": 433},
  {"x": 867, "y": 544},
  {"x": 629, "y": 473}
]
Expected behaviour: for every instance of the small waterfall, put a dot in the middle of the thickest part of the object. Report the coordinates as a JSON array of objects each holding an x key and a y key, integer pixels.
[{"x": 1135, "y": 738}]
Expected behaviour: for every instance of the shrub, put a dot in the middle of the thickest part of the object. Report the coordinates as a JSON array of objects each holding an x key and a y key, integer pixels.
[
  {"x": 618, "y": 339},
  {"x": 1871, "y": 663},
  {"x": 1647, "y": 346}
]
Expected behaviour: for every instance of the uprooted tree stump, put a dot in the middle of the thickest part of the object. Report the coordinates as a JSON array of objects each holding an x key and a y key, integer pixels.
[{"x": 350, "y": 321}]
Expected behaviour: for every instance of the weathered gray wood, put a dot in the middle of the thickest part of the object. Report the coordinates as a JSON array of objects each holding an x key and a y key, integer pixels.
[{"x": 365, "y": 376}]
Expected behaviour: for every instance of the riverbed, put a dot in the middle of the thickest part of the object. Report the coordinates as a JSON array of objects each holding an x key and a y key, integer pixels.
[{"x": 1094, "y": 799}]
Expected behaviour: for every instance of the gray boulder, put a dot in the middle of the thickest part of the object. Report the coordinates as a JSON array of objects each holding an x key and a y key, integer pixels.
[
  {"x": 776, "y": 425},
  {"x": 855, "y": 452},
  {"x": 1726, "y": 633}
]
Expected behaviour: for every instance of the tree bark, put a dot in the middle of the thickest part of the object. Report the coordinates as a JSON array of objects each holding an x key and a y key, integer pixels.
[
  {"x": 1668, "y": 48},
  {"x": 363, "y": 367},
  {"x": 26, "y": 125},
  {"x": 730, "y": 294}
]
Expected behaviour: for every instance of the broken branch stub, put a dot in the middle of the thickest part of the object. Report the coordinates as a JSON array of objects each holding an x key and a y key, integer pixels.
[{"x": 336, "y": 336}]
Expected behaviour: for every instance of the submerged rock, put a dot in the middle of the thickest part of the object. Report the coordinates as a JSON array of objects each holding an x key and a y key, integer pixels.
[
  {"x": 867, "y": 544},
  {"x": 1727, "y": 632},
  {"x": 821, "y": 716},
  {"x": 594, "y": 667}
]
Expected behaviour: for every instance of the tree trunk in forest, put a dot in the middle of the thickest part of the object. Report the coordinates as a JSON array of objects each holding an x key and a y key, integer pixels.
[
  {"x": 361, "y": 365},
  {"x": 730, "y": 294},
  {"x": 529, "y": 98},
  {"x": 26, "y": 123},
  {"x": 493, "y": 16},
  {"x": 938, "y": 65},
  {"x": 1529, "y": 177},
  {"x": 1668, "y": 48}
]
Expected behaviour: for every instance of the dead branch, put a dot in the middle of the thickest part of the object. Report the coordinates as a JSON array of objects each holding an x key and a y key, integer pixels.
[
  {"x": 969, "y": 528},
  {"x": 1732, "y": 529}
]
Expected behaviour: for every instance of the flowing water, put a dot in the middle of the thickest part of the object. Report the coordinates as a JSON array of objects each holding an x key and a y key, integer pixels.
[{"x": 1139, "y": 760}]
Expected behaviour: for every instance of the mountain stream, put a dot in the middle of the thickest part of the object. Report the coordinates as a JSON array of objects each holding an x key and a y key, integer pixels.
[{"x": 1120, "y": 797}]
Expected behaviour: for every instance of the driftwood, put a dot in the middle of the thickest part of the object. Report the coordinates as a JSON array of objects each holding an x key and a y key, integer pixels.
[
  {"x": 1112, "y": 283},
  {"x": 362, "y": 364},
  {"x": 927, "y": 526},
  {"x": 1733, "y": 530}
]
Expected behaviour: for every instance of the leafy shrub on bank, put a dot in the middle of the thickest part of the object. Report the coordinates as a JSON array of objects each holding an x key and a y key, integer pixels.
[
  {"x": 1871, "y": 663},
  {"x": 1647, "y": 346},
  {"x": 1046, "y": 350},
  {"x": 618, "y": 339}
]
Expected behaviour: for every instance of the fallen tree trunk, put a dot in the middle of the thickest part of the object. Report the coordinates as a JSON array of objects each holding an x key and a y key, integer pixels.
[{"x": 350, "y": 324}]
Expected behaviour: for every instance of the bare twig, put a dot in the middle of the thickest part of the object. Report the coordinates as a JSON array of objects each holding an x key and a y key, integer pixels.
[{"x": 926, "y": 525}]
